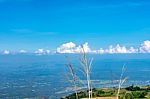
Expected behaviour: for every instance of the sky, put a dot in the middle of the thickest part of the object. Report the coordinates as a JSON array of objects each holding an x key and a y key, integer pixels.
[{"x": 48, "y": 24}]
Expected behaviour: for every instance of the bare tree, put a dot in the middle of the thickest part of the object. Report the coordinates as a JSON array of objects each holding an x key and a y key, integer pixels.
[
  {"x": 73, "y": 78},
  {"x": 86, "y": 65},
  {"x": 121, "y": 81}
]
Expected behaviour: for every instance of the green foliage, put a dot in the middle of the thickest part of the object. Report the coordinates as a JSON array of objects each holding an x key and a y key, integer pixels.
[
  {"x": 124, "y": 94},
  {"x": 128, "y": 96},
  {"x": 139, "y": 94},
  {"x": 133, "y": 88},
  {"x": 148, "y": 88},
  {"x": 101, "y": 93}
]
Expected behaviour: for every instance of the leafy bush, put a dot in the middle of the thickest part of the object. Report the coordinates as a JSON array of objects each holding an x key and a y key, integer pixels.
[
  {"x": 132, "y": 88},
  {"x": 128, "y": 96},
  {"x": 101, "y": 93},
  {"x": 138, "y": 94}
]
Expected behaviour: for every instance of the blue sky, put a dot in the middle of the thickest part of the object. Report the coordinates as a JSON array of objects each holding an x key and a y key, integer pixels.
[{"x": 33, "y": 24}]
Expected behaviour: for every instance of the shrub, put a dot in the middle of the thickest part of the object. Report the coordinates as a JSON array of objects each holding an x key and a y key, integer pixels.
[
  {"x": 132, "y": 88},
  {"x": 129, "y": 96},
  {"x": 138, "y": 94}
]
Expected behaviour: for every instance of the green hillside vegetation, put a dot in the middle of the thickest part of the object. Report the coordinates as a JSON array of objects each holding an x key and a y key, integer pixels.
[{"x": 131, "y": 92}]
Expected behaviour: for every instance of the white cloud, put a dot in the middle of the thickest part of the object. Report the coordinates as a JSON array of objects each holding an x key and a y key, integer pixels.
[
  {"x": 6, "y": 52},
  {"x": 101, "y": 51},
  {"x": 133, "y": 50},
  {"x": 48, "y": 51},
  {"x": 22, "y": 51},
  {"x": 117, "y": 49},
  {"x": 66, "y": 48},
  {"x": 86, "y": 47},
  {"x": 42, "y": 52},
  {"x": 145, "y": 47},
  {"x": 72, "y": 48}
]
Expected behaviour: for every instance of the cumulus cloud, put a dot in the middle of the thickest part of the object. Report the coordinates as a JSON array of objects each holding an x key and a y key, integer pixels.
[
  {"x": 66, "y": 48},
  {"x": 120, "y": 49},
  {"x": 101, "y": 51},
  {"x": 22, "y": 51},
  {"x": 145, "y": 47},
  {"x": 87, "y": 48},
  {"x": 6, "y": 52},
  {"x": 133, "y": 50},
  {"x": 73, "y": 48},
  {"x": 47, "y": 51},
  {"x": 42, "y": 52},
  {"x": 117, "y": 49}
]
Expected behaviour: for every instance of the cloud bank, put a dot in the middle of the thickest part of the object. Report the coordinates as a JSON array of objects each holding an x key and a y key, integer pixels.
[{"x": 71, "y": 47}]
